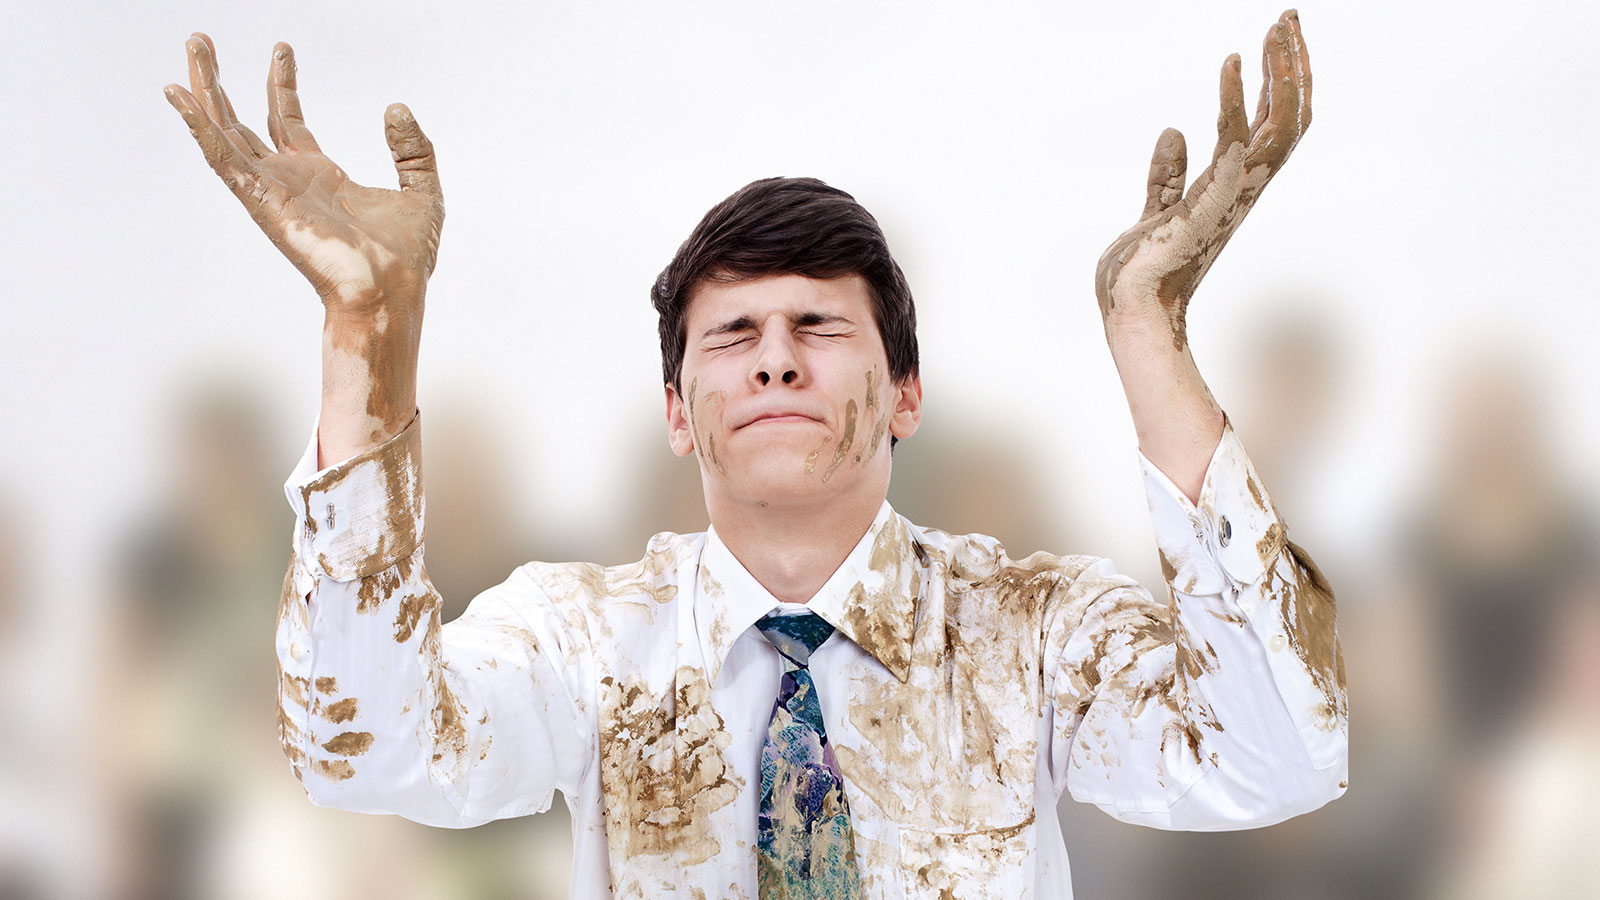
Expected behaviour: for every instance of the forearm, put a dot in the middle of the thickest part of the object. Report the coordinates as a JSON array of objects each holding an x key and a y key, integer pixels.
[
  {"x": 369, "y": 379},
  {"x": 1177, "y": 420}
]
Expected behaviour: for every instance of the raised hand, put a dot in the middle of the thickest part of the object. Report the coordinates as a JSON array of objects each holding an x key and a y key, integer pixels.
[
  {"x": 368, "y": 252},
  {"x": 1153, "y": 268},
  {"x": 360, "y": 247}
]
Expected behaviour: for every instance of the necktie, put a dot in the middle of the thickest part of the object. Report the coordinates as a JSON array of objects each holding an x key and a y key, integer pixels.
[{"x": 804, "y": 847}]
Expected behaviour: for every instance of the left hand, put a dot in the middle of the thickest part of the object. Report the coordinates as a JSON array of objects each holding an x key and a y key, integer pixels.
[{"x": 1151, "y": 271}]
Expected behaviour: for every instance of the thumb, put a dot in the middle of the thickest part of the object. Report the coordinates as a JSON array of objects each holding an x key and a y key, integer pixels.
[
  {"x": 413, "y": 152},
  {"x": 1168, "y": 166}
]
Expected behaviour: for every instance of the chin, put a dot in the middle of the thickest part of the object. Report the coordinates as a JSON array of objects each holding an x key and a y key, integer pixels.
[{"x": 777, "y": 478}]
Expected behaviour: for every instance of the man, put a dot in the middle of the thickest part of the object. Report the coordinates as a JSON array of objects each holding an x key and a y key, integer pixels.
[{"x": 713, "y": 734}]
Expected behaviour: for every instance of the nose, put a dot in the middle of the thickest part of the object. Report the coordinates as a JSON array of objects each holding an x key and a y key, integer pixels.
[{"x": 776, "y": 357}]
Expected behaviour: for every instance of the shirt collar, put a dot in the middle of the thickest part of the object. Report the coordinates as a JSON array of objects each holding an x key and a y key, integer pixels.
[{"x": 871, "y": 598}]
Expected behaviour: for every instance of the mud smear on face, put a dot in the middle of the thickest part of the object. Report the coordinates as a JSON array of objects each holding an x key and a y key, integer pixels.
[
  {"x": 880, "y": 421},
  {"x": 704, "y": 441},
  {"x": 871, "y": 412},
  {"x": 845, "y": 442},
  {"x": 664, "y": 769},
  {"x": 811, "y": 459}
]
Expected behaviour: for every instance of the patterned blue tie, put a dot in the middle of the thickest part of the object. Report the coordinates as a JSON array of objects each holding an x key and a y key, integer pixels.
[{"x": 804, "y": 847}]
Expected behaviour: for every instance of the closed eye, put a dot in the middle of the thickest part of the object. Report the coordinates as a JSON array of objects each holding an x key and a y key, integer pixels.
[{"x": 731, "y": 343}]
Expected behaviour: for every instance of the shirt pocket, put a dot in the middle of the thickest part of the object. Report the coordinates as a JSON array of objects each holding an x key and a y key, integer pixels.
[{"x": 942, "y": 865}]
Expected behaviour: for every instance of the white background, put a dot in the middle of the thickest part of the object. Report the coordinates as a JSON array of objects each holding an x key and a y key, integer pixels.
[{"x": 1441, "y": 204}]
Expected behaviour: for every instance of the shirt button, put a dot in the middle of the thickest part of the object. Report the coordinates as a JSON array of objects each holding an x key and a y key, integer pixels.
[
  {"x": 1224, "y": 531},
  {"x": 1276, "y": 643},
  {"x": 330, "y": 515},
  {"x": 297, "y": 652}
]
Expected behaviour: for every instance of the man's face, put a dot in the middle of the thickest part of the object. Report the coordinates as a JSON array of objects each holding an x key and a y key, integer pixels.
[{"x": 786, "y": 393}]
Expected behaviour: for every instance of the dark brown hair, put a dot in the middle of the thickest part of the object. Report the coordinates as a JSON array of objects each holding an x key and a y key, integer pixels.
[{"x": 787, "y": 226}]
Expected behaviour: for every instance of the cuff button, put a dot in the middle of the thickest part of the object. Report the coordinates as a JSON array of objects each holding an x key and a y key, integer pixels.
[{"x": 1224, "y": 531}]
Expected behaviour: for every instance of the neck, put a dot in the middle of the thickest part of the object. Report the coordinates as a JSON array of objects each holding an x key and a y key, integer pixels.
[{"x": 792, "y": 551}]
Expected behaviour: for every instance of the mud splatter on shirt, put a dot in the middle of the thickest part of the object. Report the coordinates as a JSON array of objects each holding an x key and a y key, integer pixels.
[{"x": 966, "y": 689}]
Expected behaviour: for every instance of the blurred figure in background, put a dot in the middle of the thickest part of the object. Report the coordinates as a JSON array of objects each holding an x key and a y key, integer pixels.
[
  {"x": 1500, "y": 538},
  {"x": 26, "y": 849},
  {"x": 195, "y": 576},
  {"x": 1504, "y": 549},
  {"x": 200, "y": 789},
  {"x": 1530, "y": 830},
  {"x": 971, "y": 477},
  {"x": 1293, "y": 368},
  {"x": 478, "y": 532}
]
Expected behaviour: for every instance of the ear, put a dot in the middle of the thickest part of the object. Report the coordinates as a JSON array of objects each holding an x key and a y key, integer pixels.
[
  {"x": 907, "y": 413},
  {"x": 680, "y": 436}
]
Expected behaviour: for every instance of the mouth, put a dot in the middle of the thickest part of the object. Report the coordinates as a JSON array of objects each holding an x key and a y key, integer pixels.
[{"x": 778, "y": 417}]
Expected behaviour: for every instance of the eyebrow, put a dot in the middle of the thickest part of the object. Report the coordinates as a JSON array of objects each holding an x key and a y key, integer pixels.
[{"x": 803, "y": 320}]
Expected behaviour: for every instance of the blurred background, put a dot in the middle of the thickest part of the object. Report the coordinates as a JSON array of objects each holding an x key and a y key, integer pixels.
[{"x": 1402, "y": 332}]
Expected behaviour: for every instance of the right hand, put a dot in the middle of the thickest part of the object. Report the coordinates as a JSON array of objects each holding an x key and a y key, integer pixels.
[{"x": 368, "y": 252}]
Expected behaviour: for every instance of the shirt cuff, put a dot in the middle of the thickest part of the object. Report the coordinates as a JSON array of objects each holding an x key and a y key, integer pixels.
[
  {"x": 359, "y": 517},
  {"x": 1218, "y": 542}
]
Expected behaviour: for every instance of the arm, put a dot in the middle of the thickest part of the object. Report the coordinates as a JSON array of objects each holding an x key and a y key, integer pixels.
[
  {"x": 368, "y": 252},
  {"x": 1145, "y": 278},
  {"x": 1226, "y": 708},
  {"x": 381, "y": 708}
]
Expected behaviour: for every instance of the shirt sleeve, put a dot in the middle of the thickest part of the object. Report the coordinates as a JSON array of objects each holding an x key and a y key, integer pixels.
[
  {"x": 1224, "y": 709},
  {"x": 383, "y": 709}
]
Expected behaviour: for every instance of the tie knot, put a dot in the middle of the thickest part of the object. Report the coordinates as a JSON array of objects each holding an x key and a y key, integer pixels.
[{"x": 796, "y": 636}]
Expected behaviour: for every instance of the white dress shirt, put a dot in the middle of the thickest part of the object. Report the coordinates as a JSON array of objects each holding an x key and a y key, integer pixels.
[{"x": 963, "y": 690}]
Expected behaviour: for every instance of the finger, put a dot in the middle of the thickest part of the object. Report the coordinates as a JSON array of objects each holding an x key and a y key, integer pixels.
[
  {"x": 203, "y": 80},
  {"x": 285, "y": 123},
  {"x": 1168, "y": 166},
  {"x": 236, "y": 168},
  {"x": 413, "y": 152},
  {"x": 1233, "y": 127},
  {"x": 1300, "y": 59},
  {"x": 206, "y": 88},
  {"x": 229, "y": 120},
  {"x": 1274, "y": 135},
  {"x": 1264, "y": 102}
]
